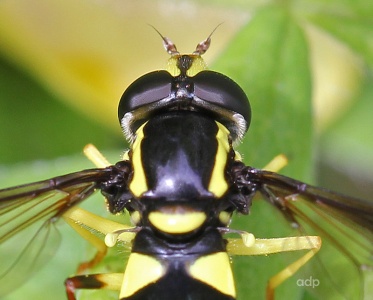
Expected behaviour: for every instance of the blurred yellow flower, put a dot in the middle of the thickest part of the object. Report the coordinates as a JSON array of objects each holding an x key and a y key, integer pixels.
[{"x": 88, "y": 52}]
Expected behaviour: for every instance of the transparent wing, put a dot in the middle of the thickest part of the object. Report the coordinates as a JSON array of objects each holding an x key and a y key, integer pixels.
[
  {"x": 345, "y": 221},
  {"x": 37, "y": 207},
  {"x": 348, "y": 217}
]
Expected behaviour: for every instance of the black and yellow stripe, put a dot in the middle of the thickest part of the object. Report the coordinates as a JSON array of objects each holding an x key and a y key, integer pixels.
[
  {"x": 180, "y": 155},
  {"x": 155, "y": 271},
  {"x": 179, "y": 161},
  {"x": 181, "y": 123}
]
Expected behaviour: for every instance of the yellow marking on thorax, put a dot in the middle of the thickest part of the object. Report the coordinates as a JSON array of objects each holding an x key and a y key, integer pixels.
[
  {"x": 125, "y": 155},
  {"x": 225, "y": 217},
  {"x": 141, "y": 270},
  {"x": 237, "y": 156},
  {"x": 215, "y": 270},
  {"x": 138, "y": 184},
  {"x": 135, "y": 217},
  {"x": 177, "y": 223},
  {"x": 218, "y": 184}
]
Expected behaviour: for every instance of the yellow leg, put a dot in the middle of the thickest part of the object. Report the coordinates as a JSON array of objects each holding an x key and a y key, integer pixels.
[
  {"x": 95, "y": 222},
  {"x": 277, "y": 163},
  {"x": 263, "y": 247},
  {"x": 286, "y": 273},
  {"x": 276, "y": 245},
  {"x": 93, "y": 240},
  {"x": 83, "y": 222},
  {"x": 95, "y": 156},
  {"x": 76, "y": 217}
]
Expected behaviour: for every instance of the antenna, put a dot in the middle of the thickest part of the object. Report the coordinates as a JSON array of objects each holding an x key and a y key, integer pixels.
[
  {"x": 171, "y": 49},
  {"x": 167, "y": 43},
  {"x": 203, "y": 46}
]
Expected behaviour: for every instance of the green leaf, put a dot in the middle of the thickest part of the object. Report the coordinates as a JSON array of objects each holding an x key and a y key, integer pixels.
[
  {"x": 34, "y": 124},
  {"x": 355, "y": 31},
  {"x": 352, "y": 137},
  {"x": 269, "y": 59}
]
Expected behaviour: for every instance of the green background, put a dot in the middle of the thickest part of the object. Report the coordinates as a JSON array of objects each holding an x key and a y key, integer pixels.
[{"x": 273, "y": 49}]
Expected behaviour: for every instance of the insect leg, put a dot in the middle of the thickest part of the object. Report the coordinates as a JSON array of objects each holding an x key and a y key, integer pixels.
[
  {"x": 83, "y": 222},
  {"x": 276, "y": 245},
  {"x": 277, "y": 163},
  {"x": 289, "y": 271},
  {"x": 95, "y": 156},
  {"x": 110, "y": 281}
]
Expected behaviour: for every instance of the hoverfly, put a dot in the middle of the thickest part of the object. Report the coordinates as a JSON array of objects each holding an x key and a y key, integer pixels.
[{"x": 181, "y": 181}]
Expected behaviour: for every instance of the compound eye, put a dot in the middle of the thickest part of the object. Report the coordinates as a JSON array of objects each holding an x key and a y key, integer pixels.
[
  {"x": 149, "y": 88},
  {"x": 218, "y": 89}
]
